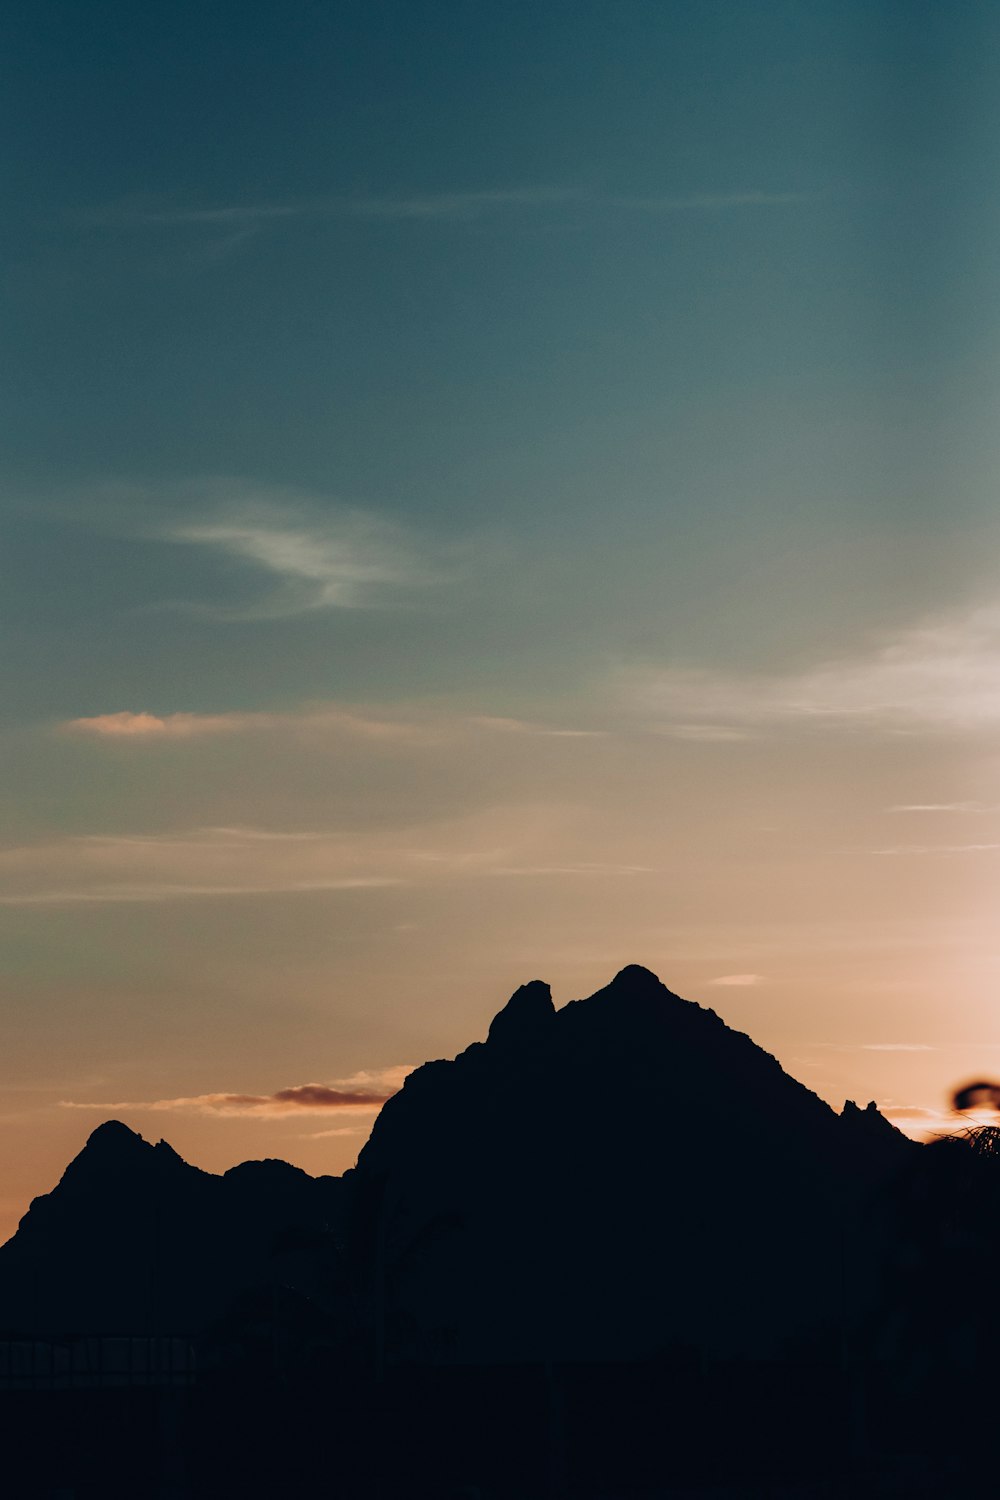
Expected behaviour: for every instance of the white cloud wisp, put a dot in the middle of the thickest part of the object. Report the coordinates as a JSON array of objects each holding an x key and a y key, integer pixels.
[
  {"x": 938, "y": 677},
  {"x": 344, "y": 559}
]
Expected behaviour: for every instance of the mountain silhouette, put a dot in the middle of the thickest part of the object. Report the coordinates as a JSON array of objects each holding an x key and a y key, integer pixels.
[
  {"x": 610, "y": 1247},
  {"x": 135, "y": 1240},
  {"x": 621, "y": 1177}
]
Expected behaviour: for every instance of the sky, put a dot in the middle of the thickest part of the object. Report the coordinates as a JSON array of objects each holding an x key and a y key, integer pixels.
[{"x": 490, "y": 491}]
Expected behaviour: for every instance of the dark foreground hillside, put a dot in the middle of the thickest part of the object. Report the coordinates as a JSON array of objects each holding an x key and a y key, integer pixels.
[{"x": 612, "y": 1250}]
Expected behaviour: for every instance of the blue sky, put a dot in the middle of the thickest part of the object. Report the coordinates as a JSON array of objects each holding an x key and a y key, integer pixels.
[{"x": 490, "y": 489}]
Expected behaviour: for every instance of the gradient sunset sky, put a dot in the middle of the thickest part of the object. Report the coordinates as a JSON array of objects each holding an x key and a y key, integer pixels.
[{"x": 490, "y": 491}]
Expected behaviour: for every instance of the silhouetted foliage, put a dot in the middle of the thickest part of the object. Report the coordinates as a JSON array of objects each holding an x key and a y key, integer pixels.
[{"x": 977, "y": 1095}]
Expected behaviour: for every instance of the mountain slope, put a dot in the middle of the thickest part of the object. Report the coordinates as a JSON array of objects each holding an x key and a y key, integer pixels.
[
  {"x": 135, "y": 1240},
  {"x": 621, "y": 1176}
]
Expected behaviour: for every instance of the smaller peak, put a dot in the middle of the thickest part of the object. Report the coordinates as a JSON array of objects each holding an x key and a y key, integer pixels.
[
  {"x": 165, "y": 1152},
  {"x": 526, "y": 1014},
  {"x": 266, "y": 1167},
  {"x": 869, "y": 1125}
]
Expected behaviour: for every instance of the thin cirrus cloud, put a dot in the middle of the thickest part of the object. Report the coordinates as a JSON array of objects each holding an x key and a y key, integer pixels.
[
  {"x": 944, "y": 807},
  {"x": 738, "y": 981},
  {"x": 504, "y": 841},
  {"x": 404, "y": 207},
  {"x": 140, "y": 727},
  {"x": 895, "y": 1047},
  {"x": 941, "y": 677},
  {"x": 341, "y": 559},
  {"x": 876, "y": 1047},
  {"x": 363, "y": 1093},
  {"x": 455, "y": 207},
  {"x": 201, "y": 863},
  {"x": 940, "y": 849}
]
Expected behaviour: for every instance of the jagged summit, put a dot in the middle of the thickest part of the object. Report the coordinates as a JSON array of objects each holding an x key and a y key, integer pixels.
[
  {"x": 850, "y": 1108},
  {"x": 626, "y": 1142},
  {"x": 114, "y": 1154},
  {"x": 871, "y": 1130},
  {"x": 527, "y": 1014}
]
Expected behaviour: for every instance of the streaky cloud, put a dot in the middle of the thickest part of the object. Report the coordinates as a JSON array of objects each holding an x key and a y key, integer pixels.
[
  {"x": 288, "y": 551},
  {"x": 162, "y": 891},
  {"x": 876, "y": 1047},
  {"x": 128, "y": 725},
  {"x": 418, "y": 727},
  {"x": 939, "y": 677},
  {"x": 503, "y": 725},
  {"x": 345, "y": 559},
  {"x": 443, "y": 206},
  {"x": 362, "y": 1094},
  {"x": 944, "y": 807},
  {"x": 501, "y": 841},
  {"x": 923, "y": 849}
]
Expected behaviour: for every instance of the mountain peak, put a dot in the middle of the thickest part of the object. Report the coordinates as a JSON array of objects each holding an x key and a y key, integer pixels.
[
  {"x": 113, "y": 1139},
  {"x": 870, "y": 1128},
  {"x": 114, "y": 1152},
  {"x": 525, "y": 1017},
  {"x": 635, "y": 978}
]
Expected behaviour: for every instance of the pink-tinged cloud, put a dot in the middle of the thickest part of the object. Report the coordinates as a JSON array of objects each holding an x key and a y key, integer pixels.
[
  {"x": 414, "y": 727},
  {"x": 305, "y": 1096},
  {"x": 738, "y": 981},
  {"x": 145, "y": 726},
  {"x": 362, "y": 1093}
]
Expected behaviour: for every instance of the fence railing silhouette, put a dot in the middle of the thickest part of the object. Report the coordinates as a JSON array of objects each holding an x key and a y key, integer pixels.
[{"x": 96, "y": 1363}]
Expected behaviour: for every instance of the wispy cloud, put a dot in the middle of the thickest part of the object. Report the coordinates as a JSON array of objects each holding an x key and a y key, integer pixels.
[
  {"x": 474, "y": 205},
  {"x": 232, "y": 862},
  {"x": 944, "y": 807},
  {"x": 708, "y": 734},
  {"x": 363, "y": 1093},
  {"x": 340, "y": 559},
  {"x": 876, "y": 1047},
  {"x": 454, "y": 207},
  {"x": 895, "y": 1047},
  {"x": 589, "y": 867},
  {"x": 286, "y": 551},
  {"x": 141, "y": 892},
  {"x": 941, "y": 849},
  {"x": 400, "y": 727},
  {"x": 501, "y": 725},
  {"x": 713, "y": 202},
  {"x": 142, "y": 726},
  {"x": 941, "y": 676},
  {"x": 206, "y": 862},
  {"x": 738, "y": 981}
]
